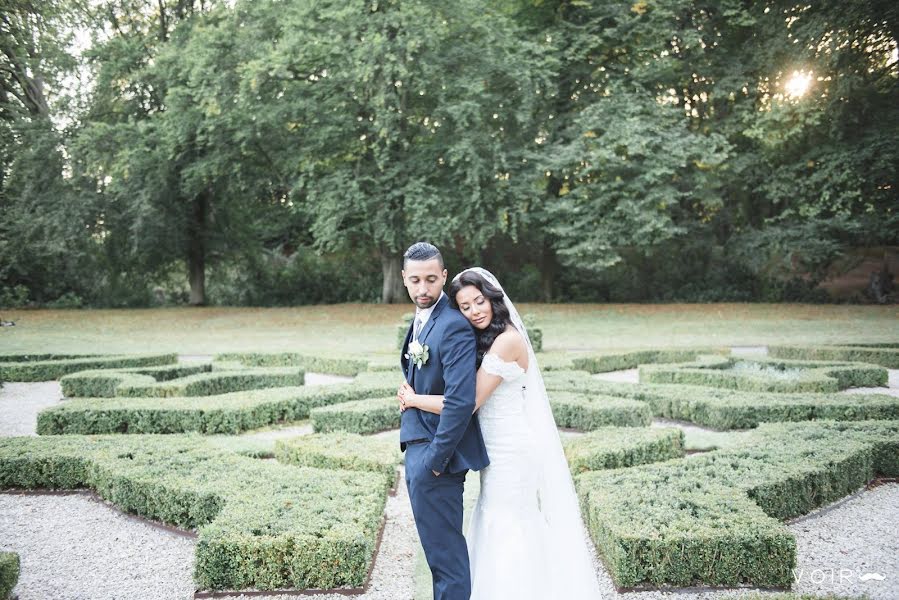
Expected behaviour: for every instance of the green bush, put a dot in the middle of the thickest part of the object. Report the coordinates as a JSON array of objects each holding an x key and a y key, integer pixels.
[
  {"x": 368, "y": 415},
  {"x": 772, "y": 375},
  {"x": 616, "y": 447},
  {"x": 587, "y": 412},
  {"x": 714, "y": 519},
  {"x": 885, "y": 355},
  {"x": 49, "y": 367},
  {"x": 720, "y": 408},
  {"x": 349, "y": 367},
  {"x": 260, "y": 524},
  {"x": 103, "y": 383},
  {"x": 226, "y": 413},
  {"x": 604, "y": 363},
  {"x": 9, "y": 573},
  {"x": 344, "y": 451}
]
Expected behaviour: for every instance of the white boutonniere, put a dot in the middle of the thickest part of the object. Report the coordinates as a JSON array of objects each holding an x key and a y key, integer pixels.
[{"x": 418, "y": 354}]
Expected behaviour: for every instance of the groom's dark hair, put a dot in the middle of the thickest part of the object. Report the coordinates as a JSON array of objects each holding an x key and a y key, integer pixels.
[{"x": 422, "y": 251}]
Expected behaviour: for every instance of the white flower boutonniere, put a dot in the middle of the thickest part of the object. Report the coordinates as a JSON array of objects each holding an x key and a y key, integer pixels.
[{"x": 418, "y": 354}]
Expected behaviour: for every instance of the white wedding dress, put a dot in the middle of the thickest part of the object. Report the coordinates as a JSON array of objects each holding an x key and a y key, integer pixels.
[{"x": 514, "y": 551}]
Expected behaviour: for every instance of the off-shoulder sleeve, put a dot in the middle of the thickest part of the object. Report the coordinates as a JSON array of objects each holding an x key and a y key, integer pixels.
[{"x": 494, "y": 365}]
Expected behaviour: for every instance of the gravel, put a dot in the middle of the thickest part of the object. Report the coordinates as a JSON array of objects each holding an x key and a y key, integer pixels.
[{"x": 20, "y": 403}]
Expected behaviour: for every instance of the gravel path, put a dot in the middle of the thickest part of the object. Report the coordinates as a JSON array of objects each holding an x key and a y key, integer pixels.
[{"x": 20, "y": 403}]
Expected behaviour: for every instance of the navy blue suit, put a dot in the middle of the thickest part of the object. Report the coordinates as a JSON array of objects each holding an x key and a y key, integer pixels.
[{"x": 453, "y": 445}]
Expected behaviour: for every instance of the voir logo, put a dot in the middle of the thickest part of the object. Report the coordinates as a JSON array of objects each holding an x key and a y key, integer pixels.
[{"x": 869, "y": 576}]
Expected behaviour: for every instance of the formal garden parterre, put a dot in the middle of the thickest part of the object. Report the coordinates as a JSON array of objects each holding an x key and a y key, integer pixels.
[{"x": 310, "y": 518}]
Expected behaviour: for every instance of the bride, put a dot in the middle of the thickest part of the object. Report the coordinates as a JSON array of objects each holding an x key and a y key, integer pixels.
[{"x": 525, "y": 539}]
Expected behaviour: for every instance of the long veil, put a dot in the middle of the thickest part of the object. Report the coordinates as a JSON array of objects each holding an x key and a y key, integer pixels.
[{"x": 572, "y": 570}]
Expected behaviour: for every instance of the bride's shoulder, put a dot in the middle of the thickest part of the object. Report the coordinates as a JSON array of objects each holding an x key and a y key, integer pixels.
[{"x": 509, "y": 345}]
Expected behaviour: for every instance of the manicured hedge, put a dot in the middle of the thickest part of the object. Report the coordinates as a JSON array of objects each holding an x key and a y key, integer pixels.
[
  {"x": 720, "y": 408},
  {"x": 260, "y": 524},
  {"x": 226, "y": 413},
  {"x": 103, "y": 383},
  {"x": 587, "y": 412},
  {"x": 604, "y": 363},
  {"x": 23, "y": 368},
  {"x": 345, "y": 451},
  {"x": 616, "y": 447},
  {"x": 773, "y": 375},
  {"x": 9, "y": 573},
  {"x": 368, "y": 415},
  {"x": 349, "y": 367},
  {"x": 199, "y": 384},
  {"x": 885, "y": 355},
  {"x": 714, "y": 519}
]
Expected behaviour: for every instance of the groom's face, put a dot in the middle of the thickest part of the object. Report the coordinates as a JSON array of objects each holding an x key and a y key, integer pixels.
[{"x": 424, "y": 280}]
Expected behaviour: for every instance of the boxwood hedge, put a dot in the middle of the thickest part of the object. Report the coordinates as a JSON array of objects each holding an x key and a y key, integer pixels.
[
  {"x": 349, "y": 367},
  {"x": 720, "y": 408},
  {"x": 125, "y": 384},
  {"x": 369, "y": 415},
  {"x": 260, "y": 524},
  {"x": 340, "y": 450},
  {"x": 714, "y": 519},
  {"x": 226, "y": 413},
  {"x": 591, "y": 411},
  {"x": 885, "y": 355},
  {"x": 103, "y": 382},
  {"x": 9, "y": 573},
  {"x": 616, "y": 447},
  {"x": 771, "y": 375},
  {"x": 47, "y": 367},
  {"x": 603, "y": 363}
]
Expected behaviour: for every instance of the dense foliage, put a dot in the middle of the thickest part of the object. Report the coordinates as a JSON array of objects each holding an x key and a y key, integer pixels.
[{"x": 271, "y": 152}]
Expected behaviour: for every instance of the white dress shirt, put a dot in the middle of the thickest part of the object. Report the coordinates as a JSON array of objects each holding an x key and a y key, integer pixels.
[{"x": 425, "y": 313}]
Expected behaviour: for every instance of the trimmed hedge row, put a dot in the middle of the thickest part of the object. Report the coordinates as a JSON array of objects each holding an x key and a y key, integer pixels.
[
  {"x": 885, "y": 355},
  {"x": 22, "y": 368},
  {"x": 343, "y": 451},
  {"x": 9, "y": 573},
  {"x": 103, "y": 383},
  {"x": 260, "y": 524},
  {"x": 226, "y": 413},
  {"x": 604, "y": 363},
  {"x": 587, "y": 412},
  {"x": 349, "y": 367},
  {"x": 760, "y": 375},
  {"x": 369, "y": 415},
  {"x": 617, "y": 447},
  {"x": 720, "y": 408},
  {"x": 135, "y": 385},
  {"x": 714, "y": 519}
]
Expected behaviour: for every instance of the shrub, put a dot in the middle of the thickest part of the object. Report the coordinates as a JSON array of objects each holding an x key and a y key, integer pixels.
[
  {"x": 760, "y": 375},
  {"x": 226, "y": 413},
  {"x": 349, "y": 367},
  {"x": 9, "y": 573},
  {"x": 259, "y": 524},
  {"x": 885, "y": 355},
  {"x": 587, "y": 412},
  {"x": 616, "y": 447},
  {"x": 368, "y": 415},
  {"x": 714, "y": 519},
  {"x": 103, "y": 383},
  {"x": 603, "y": 363},
  {"x": 49, "y": 367},
  {"x": 345, "y": 451}
]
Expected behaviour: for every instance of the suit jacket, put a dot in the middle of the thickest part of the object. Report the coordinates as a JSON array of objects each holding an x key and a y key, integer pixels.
[{"x": 456, "y": 442}]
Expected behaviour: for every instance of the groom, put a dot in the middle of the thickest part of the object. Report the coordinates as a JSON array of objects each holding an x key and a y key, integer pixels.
[{"x": 438, "y": 357}]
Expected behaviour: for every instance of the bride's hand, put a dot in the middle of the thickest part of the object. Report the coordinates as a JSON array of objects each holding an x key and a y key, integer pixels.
[{"x": 406, "y": 396}]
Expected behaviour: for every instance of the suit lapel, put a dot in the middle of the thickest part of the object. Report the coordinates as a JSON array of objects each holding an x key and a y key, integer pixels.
[{"x": 423, "y": 337}]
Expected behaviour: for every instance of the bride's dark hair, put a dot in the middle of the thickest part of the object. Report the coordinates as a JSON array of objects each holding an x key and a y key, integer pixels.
[{"x": 501, "y": 317}]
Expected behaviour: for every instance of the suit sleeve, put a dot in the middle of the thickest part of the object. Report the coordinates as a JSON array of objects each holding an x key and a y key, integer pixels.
[{"x": 458, "y": 356}]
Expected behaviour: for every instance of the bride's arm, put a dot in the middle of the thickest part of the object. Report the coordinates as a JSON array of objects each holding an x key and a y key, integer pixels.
[
  {"x": 486, "y": 384},
  {"x": 508, "y": 346}
]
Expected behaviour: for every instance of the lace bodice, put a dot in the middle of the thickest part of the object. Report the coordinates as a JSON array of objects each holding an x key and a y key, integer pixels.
[{"x": 507, "y": 399}]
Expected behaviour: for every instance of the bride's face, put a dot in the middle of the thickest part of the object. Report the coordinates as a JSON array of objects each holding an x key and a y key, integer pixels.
[{"x": 475, "y": 306}]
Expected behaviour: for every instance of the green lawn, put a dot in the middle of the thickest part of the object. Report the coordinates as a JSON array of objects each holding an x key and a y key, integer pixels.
[{"x": 365, "y": 329}]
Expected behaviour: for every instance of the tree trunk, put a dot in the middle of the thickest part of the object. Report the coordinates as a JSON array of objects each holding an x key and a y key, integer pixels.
[
  {"x": 392, "y": 291},
  {"x": 196, "y": 249},
  {"x": 547, "y": 272}
]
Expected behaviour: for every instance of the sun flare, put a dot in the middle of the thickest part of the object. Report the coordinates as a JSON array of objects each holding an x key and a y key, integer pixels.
[{"x": 798, "y": 84}]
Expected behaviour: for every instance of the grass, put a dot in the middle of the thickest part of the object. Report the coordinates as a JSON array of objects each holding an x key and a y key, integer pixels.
[{"x": 365, "y": 329}]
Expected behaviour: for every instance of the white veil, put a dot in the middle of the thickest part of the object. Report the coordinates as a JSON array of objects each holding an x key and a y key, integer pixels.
[{"x": 573, "y": 574}]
